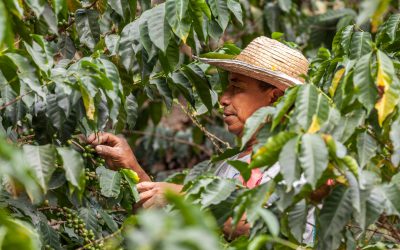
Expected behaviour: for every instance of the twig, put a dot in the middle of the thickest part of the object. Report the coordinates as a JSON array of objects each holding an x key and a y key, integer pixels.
[
  {"x": 5, "y": 105},
  {"x": 213, "y": 138},
  {"x": 167, "y": 138}
]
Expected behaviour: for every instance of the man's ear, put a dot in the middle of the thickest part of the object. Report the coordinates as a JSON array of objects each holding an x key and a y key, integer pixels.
[{"x": 276, "y": 93}]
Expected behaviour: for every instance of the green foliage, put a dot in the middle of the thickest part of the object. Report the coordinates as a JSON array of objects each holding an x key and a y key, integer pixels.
[{"x": 72, "y": 68}]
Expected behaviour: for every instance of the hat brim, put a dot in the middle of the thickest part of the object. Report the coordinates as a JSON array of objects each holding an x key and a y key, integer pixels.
[{"x": 275, "y": 78}]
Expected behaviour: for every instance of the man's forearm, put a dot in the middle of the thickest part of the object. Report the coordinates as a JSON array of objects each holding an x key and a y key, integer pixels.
[{"x": 143, "y": 176}]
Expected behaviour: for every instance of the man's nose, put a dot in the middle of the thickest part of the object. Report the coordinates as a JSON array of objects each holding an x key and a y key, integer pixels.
[{"x": 225, "y": 99}]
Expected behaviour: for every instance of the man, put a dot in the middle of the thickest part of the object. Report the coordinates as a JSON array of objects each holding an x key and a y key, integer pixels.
[{"x": 258, "y": 76}]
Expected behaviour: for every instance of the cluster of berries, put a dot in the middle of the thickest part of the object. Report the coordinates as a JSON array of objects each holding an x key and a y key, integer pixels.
[{"x": 73, "y": 221}]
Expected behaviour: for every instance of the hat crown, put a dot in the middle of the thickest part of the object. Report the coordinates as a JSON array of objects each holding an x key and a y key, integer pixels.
[{"x": 273, "y": 55}]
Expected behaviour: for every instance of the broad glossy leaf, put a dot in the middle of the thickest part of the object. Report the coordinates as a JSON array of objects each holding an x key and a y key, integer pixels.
[
  {"x": 219, "y": 10},
  {"x": 131, "y": 108},
  {"x": 270, "y": 219},
  {"x": 348, "y": 124},
  {"x": 173, "y": 11},
  {"x": 26, "y": 73},
  {"x": 366, "y": 148},
  {"x": 395, "y": 138},
  {"x": 297, "y": 218},
  {"x": 387, "y": 80},
  {"x": 129, "y": 44},
  {"x": 268, "y": 154},
  {"x": 366, "y": 91},
  {"x": 289, "y": 163},
  {"x": 361, "y": 44},
  {"x": 216, "y": 191},
  {"x": 335, "y": 213},
  {"x": 42, "y": 160},
  {"x": 54, "y": 112},
  {"x": 183, "y": 85},
  {"x": 236, "y": 9},
  {"x": 5, "y": 29},
  {"x": 310, "y": 102},
  {"x": 159, "y": 31},
  {"x": 73, "y": 166},
  {"x": 60, "y": 7},
  {"x": 120, "y": 6},
  {"x": 90, "y": 219},
  {"x": 197, "y": 78},
  {"x": 49, "y": 235},
  {"x": 88, "y": 27},
  {"x": 202, "y": 5},
  {"x": 284, "y": 105},
  {"x": 313, "y": 157},
  {"x": 109, "y": 181},
  {"x": 392, "y": 27},
  {"x": 285, "y": 5},
  {"x": 254, "y": 122}
]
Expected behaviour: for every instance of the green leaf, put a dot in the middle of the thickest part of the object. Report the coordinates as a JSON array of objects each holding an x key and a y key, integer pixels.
[
  {"x": 297, "y": 219},
  {"x": 254, "y": 122},
  {"x": 361, "y": 44},
  {"x": 335, "y": 213},
  {"x": 42, "y": 160},
  {"x": 290, "y": 166},
  {"x": 60, "y": 7},
  {"x": 310, "y": 102},
  {"x": 219, "y": 10},
  {"x": 175, "y": 12},
  {"x": 120, "y": 6},
  {"x": 202, "y": 5},
  {"x": 49, "y": 235},
  {"x": 90, "y": 219},
  {"x": 313, "y": 157},
  {"x": 217, "y": 191},
  {"x": 109, "y": 181},
  {"x": 348, "y": 124},
  {"x": 386, "y": 80},
  {"x": 129, "y": 44},
  {"x": 132, "y": 178},
  {"x": 17, "y": 234},
  {"x": 366, "y": 91},
  {"x": 131, "y": 108},
  {"x": 366, "y": 148},
  {"x": 285, "y": 5},
  {"x": 158, "y": 28},
  {"x": 268, "y": 154},
  {"x": 236, "y": 9},
  {"x": 73, "y": 166},
  {"x": 183, "y": 85},
  {"x": 395, "y": 138},
  {"x": 270, "y": 219},
  {"x": 284, "y": 105},
  {"x": 88, "y": 27},
  {"x": 392, "y": 27},
  {"x": 37, "y": 6},
  {"x": 196, "y": 77},
  {"x": 5, "y": 29},
  {"x": 242, "y": 167}
]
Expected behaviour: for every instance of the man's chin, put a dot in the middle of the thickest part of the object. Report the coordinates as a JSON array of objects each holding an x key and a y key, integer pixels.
[{"x": 235, "y": 130}]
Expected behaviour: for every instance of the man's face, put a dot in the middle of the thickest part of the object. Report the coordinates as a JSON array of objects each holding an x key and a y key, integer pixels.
[{"x": 241, "y": 98}]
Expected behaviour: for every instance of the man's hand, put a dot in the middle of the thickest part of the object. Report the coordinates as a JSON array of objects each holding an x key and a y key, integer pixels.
[
  {"x": 117, "y": 152},
  {"x": 152, "y": 193}
]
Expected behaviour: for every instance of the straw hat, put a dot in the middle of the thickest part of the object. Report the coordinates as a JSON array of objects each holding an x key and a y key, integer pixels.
[{"x": 267, "y": 60}]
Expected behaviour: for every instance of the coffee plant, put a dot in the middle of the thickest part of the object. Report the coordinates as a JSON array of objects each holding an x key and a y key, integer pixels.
[{"x": 72, "y": 68}]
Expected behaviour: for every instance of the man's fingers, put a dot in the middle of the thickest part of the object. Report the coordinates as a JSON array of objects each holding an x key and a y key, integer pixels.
[
  {"x": 149, "y": 203},
  {"x": 106, "y": 151},
  {"x": 145, "y": 186},
  {"x": 144, "y": 196},
  {"x": 103, "y": 138}
]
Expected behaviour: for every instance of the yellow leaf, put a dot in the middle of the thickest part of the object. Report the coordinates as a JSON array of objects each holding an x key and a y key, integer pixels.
[
  {"x": 335, "y": 82},
  {"x": 379, "y": 14},
  {"x": 314, "y": 127},
  {"x": 88, "y": 102},
  {"x": 384, "y": 78}
]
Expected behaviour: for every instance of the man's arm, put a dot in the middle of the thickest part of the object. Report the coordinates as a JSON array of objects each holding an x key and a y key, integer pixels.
[{"x": 117, "y": 153}]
